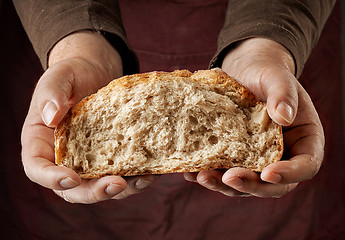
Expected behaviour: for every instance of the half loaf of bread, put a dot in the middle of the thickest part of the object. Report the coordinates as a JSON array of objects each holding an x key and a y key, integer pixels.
[{"x": 161, "y": 122}]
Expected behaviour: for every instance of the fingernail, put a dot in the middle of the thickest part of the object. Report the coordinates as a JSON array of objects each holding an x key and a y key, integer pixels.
[
  {"x": 274, "y": 178},
  {"x": 141, "y": 184},
  {"x": 49, "y": 112},
  {"x": 68, "y": 183},
  {"x": 113, "y": 189},
  {"x": 285, "y": 112},
  {"x": 235, "y": 182},
  {"x": 210, "y": 183}
]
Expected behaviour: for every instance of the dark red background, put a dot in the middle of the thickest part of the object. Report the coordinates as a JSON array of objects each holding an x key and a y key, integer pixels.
[{"x": 172, "y": 208}]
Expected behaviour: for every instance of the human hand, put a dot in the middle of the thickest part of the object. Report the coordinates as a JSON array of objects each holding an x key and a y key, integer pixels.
[
  {"x": 79, "y": 65},
  {"x": 267, "y": 69}
]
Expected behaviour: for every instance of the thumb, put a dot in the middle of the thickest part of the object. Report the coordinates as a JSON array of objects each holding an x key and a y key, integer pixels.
[
  {"x": 282, "y": 98},
  {"x": 53, "y": 94},
  {"x": 64, "y": 84}
]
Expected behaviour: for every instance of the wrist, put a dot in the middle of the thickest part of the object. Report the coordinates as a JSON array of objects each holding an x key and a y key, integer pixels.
[
  {"x": 89, "y": 46},
  {"x": 258, "y": 50}
]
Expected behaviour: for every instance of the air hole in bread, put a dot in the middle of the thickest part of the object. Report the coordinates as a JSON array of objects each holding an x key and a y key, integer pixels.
[
  {"x": 193, "y": 120},
  {"x": 149, "y": 97},
  {"x": 212, "y": 119},
  {"x": 119, "y": 137},
  {"x": 196, "y": 145},
  {"x": 203, "y": 129},
  {"x": 147, "y": 152},
  {"x": 217, "y": 90},
  {"x": 110, "y": 162},
  {"x": 88, "y": 134},
  {"x": 103, "y": 152},
  {"x": 213, "y": 140},
  {"x": 78, "y": 168},
  {"x": 90, "y": 157}
]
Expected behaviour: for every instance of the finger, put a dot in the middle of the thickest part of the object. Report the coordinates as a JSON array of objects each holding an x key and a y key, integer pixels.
[
  {"x": 249, "y": 182},
  {"x": 305, "y": 144},
  {"x": 136, "y": 185},
  {"x": 212, "y": 180},
  {"x": 280, "y": 89},
  {"x": 190, "y": 176},
  {"x": 51, "y": 176},
  {"x": 299, "y": 168},
  {"x": 53, "y": 93},
  {"x": 38, "y": 159},
  {"x": 63, "y": 85},
  {"x": 95, "y": 190}
]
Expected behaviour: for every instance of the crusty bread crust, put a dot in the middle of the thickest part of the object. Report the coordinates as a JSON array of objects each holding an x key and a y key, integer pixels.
[{"x": 215, "y": 78}]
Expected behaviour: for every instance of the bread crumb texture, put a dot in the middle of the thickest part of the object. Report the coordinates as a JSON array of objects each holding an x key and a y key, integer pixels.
[{"x": 161, "y": 122}]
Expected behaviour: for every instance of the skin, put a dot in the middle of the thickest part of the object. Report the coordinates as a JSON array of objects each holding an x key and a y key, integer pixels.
[
  {"x": 83, "y": 62},
  {"x": 79, "y": 65},
  {"x": 267, "y": 69}
]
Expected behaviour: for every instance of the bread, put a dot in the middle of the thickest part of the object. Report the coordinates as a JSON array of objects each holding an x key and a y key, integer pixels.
[{"x": 159, "y": 122}]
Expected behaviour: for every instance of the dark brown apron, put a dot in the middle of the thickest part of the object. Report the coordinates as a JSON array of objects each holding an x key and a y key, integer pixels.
[{"x": 170, "y": 35}]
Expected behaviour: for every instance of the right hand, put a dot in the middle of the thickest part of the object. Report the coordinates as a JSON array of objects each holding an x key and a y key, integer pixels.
[
  {"x": 79, "y": 65},
  {"x": 267, "y": 69}
]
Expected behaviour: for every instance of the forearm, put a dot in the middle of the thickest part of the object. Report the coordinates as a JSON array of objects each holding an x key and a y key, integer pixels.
[{"x": 47, "y": 22}]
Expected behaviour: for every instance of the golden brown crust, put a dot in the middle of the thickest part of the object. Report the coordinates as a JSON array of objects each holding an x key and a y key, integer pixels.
[
  {"x": 133, "y": 172},
  {"x": 214, "y": 77},
  {"x": 209, "y": 77}
]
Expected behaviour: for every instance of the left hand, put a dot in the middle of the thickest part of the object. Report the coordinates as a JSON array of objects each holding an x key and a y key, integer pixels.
[
  {"x": 79, "y": 65},
  {"x": 267, "y": 69}
]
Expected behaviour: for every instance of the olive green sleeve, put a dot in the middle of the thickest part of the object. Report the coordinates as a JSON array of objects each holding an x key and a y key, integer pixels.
[
  {"x": 46, "y": 22},
  {"x": 296, "y": 25}
]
